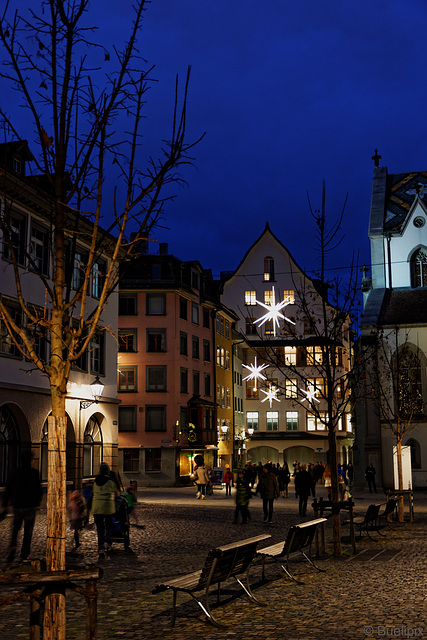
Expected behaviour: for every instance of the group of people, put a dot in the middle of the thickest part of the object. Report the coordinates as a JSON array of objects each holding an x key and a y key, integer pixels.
[{"x": 24, "y": 492}]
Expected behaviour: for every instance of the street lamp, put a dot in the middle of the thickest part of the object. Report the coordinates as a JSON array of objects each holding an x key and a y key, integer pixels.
[{"x": 97, "y": 387}]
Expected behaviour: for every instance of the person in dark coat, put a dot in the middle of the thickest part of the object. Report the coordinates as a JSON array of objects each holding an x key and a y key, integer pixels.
[
  {"x": 370, "y": 477},
  {"x": 24, "y": 492},
  {"x": 268, "y": 487},
  {"x": 303, "y": 484}
]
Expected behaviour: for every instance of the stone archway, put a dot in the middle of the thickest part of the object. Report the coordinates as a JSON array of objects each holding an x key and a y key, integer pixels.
[
  {"x": 263, "y": 454},
  {"x": 304, "y": 455}
]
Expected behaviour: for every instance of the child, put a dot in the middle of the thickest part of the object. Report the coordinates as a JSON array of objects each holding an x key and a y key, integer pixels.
[
  {"x": 228, "y": 478},
  {"x": 77, "y": 513},
  {"x": 130, "y": 497},
  {"x": 243, "y": 495}
]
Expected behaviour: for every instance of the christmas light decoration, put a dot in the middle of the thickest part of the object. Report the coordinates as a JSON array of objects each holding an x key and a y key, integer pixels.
[
  {"x": 271, "y": 394},
  {"x": 274, "y": 312},
  {"x": 310, "y": 394},
  {"x": 255, "y": 372}
]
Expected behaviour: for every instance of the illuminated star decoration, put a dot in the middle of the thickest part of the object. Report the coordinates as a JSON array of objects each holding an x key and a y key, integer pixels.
[
  {"x": 310, "y": 394},
  {"x": 255, "y": 372},
  {"x": 271, "y": 394},
  {"x": 274, "y": 312}
]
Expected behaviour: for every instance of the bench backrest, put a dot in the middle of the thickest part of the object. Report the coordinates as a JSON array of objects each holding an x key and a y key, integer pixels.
[
  {"x": 228, "y": 561},
  {"x": 389, "y": 507},
  {"x": 371, "y": 513},
  {"x": 301, "y": 536}
]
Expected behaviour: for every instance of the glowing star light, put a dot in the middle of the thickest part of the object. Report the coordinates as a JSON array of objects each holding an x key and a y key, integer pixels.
[
  {"x": 274, "y": 312},
  {"x": 255, "y": 372},
  {"x": 310, "y": 394},
  {"x": 271, "y": 394}
]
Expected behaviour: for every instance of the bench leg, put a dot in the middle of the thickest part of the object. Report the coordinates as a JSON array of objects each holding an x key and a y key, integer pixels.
[
  {"x": 289, "y": 574},
  {"x": 248, "y": 591},
  {"x": 310, "y": 561}
]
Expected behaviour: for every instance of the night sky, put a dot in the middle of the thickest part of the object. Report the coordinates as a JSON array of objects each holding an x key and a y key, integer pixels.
[{"x": 289, "y": 94}]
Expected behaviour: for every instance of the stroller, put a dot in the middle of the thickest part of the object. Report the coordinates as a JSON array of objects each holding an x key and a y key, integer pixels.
[{"x": 121, "y": 523}]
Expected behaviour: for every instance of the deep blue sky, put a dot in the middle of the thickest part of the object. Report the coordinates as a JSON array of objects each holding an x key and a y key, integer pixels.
[{"x": 289, "y": 94}]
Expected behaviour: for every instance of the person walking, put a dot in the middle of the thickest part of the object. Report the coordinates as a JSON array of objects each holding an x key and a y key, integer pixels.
[
  {"x": 303, "y": 484},
  {"x": 23, "y": 491},
  {"x": 105, "y": 490},
  {"x": 243, "y": 495},
  {"x": 370, "y": 477},
  {"x": 328, "y": 481},
  {"x": 228, "y": 477},
  {"x": 77, "y": 515},
  {"x": 201, "y": 478},
  {"x": 268, "y": 488},
  {"x": 284, "y": 478}
]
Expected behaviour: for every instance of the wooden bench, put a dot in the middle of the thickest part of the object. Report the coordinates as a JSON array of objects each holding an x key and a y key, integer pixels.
[
  {"x": 369, "y": 522},
  {"x": 229, "y": 561},
  {"x": 299, "y": 537}
]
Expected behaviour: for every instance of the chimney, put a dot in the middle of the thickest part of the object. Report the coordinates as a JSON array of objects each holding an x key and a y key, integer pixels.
[{"x": 163, "y": 248}]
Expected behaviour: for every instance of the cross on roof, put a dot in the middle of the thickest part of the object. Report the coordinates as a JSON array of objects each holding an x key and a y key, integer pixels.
[{"x": 376, "y": 158}]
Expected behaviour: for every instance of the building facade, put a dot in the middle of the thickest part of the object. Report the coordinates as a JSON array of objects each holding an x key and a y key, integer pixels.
[
  {"x": 395, "y": 305},
  {"x": 25, "y": 401},
  {"x": 279, "y": 425}
]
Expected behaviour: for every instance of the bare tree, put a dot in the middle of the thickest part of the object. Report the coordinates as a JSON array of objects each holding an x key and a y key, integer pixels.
[
  {"x": 395, "y": 388},
  {"x": 77, "y": 95}
]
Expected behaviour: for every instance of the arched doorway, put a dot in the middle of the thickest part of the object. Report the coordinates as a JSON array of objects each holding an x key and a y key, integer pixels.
[
  {"x": 92, "y": 447},
  {"x": 263, "y": 454},
  {"x": 10, "y": 443},
  {"x": 303, "y": 455}
]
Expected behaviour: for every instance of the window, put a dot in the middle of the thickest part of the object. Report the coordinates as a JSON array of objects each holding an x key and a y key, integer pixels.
[
  {"x": 218, "y": 355},
  {"x": 98, "y": 276},
  {"x": 155, "y": 417},
  {"x": 194, "y": 313},
  {"x": 291, "y": 388},
  {"x": 153, "y": 460},
  {"x": 250, "y": 298},
  {"x": 250, "y": 327},
  {"x": 196, "y": 383},
  {"x": 206, "y": 351},
  {"x": 156, "y": 340},
  {"x": 289, "y": 296},
  {"x": 184, "y": 380},
  {"x": 196, "y": 350},
  {"x": 268, "y": 297},
  {"x": 183, "y": 308},
  {"x": 17, "y": 165},
  {"x": 195, "y": 279},
  {"x": 92, "y": 447},
  {"x": 127, "y": 304},
  {"x": 128, "y": 378},
  {"x": 251, "y": 390},
  {"x": 268, "y": 269},
  {"x": 223, "y": 397},
  {"x": 218, "y": 395},
  {"x": 156, "y": 378},
  {"x": 156, "y": 304},
  {"x": 269, "y": 328},
  {"x": 419, "y": 268},
  {"x": 227, "y": 360},
  {"x": 127, "y": 340},
  {"x": 7, "y": 346},
  {"x": 183, "y": 343},
  {"x": 290, "y": 355},
  {"x": 131, "y": 460},
  {"x": 348, "y": 426},
  {"x": 39, "y": 250},
  {"x": 292, "y": 421},
  {"x": 252, "y": 420},
  {"x": 207, "y": 385},
  {"x": 10, "y": 445},
  {"x": 127, "y": 418},
  {"x": 97, "y": 352},
  {"x": 206, "y": 318},
  {"x": 272, "y": 420},
  {"x": 80, "y": 261},
  {"x": 39, "y": 335},
  {"x": 317, "y": 384},
  {"x": 228, "y": 398},
  {"x": 221, "y": 326},
  {"x": 222, "y": 358},
  {"x": 16, "y": 230},
  {"x": 227, "y": 329},
  {"x": 314, "y": 355},
  {"x": 317, "y": 423}
]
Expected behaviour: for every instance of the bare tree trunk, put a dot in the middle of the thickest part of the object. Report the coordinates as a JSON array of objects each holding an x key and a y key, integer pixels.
[
  {"x": 400, "y": 507},
  {"x": 336, "y": 522},
  {"x": 54, "y": 617}
]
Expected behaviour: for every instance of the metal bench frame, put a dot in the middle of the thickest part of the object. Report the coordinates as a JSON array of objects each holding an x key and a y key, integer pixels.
[
  {"x": 369, "y": 520},
  {"x": 229, "y": 561},
  {"x": 299, "y": 537}
]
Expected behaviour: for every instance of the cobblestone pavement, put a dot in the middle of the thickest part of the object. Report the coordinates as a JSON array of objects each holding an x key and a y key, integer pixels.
[{"x": 380, "y": 592}]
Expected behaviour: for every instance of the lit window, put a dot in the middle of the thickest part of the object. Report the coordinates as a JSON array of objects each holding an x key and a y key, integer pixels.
[
  {"x": 268, "y": 297},
  {"x": 228, "y": 398},
  {"x": 251, "y": 390},
  {"x": 272, "y": 420},
  {"x": 348, "y": 422},
  {"x": 290, "y": 355},
  {"x": 127, "y": 378},
  {"x": 252, "y": 420},
  {"x": 289, "y": 296},
  {"x": 250, "y": 327},
  {"x": 268, "y": 269},
  {"x": 291, "y": 389},
  {"x": 250, "y": 298},
  {"x": 314, "y": 355},
  {"x": 292, "y": 420}
]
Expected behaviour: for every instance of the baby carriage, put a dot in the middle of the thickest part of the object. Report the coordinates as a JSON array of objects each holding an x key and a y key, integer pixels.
[{"x": 120, "y": 531}]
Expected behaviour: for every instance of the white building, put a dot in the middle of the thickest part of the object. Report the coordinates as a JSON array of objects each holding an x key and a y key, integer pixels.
[
  {"x": 25, "y": 401},
  {"x": 395, "y": 300},
  {"x": 285, "y": 427}
]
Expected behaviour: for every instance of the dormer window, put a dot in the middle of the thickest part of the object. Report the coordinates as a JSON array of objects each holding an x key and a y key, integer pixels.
[
  {"x": 17, "y": 165},
  {"x": 268, "y": 269},
  {"x": 419, "y": 268}
]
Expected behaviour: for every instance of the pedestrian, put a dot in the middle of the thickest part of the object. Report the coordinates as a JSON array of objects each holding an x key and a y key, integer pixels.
[
  {"x": 268, "y": 488},
  {"x": 350, "y": 472},
  {"x": 296, "y": 466},
  {"x": 313, "y": 474},
  {"x": 228, "y": 478},
  {"x": 23, "y": 491},
  {"x": 243, "y": 495},
  {"x": 88, "y": 497},
  {"x": 370, "y": 477},
  {"x": 77, "y": 515},
  {"x": 303, "y": 483},
  {"x": 342, "y": 481},
  {"x": 284, "y": 478},
  {"x": 201, "y": 479},
  {"x": 328, "y": 481},
  {"x": 105, "y": 490}
]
